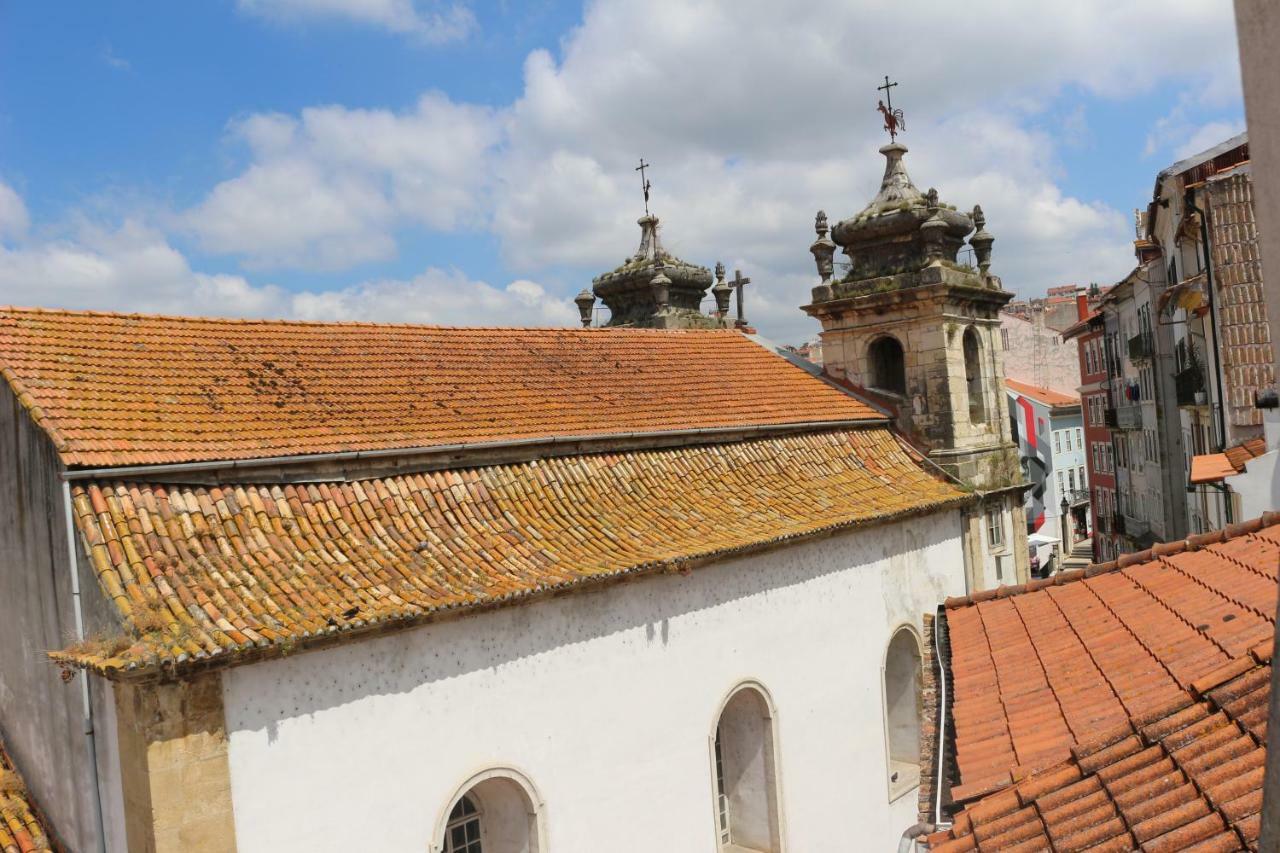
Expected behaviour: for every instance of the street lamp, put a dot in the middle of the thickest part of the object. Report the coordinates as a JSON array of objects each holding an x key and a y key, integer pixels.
[{"x": 1067, "y": 544}]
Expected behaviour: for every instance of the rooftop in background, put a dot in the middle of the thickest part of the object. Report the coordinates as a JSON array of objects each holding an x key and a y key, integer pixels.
[
  {"x": 233, "y": 573},
  {"x": 1137, "y": 715},
  {"x": 127, "y": 389},
  {"x": 1051, "y": 398},
  {"x": 1215, "y": 467},
  {"x": 21, "y": 828}
]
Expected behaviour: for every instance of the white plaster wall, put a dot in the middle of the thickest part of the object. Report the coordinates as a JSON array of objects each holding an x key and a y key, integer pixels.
[{"x": 605, "y": 701}]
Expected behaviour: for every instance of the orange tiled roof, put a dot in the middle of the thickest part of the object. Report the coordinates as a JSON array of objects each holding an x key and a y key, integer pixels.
[
  {"x": 1086, "y": 684},
  {"x": 113, "y": 389},
  {"x": 1054, "y": 399},
  {"x": 1186, "y": 777},
  {"x": 210, "y": 572},
  {"x": 1215, "y": 467},
  {"x": 21, "y": 830}
]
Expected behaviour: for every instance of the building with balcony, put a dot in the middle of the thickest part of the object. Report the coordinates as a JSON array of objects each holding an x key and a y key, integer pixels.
[
  {"x": 1199, "y": 228},
  {"x": 1134, "y": 389},
  {"x": 1089, "y": 335},
  {"x": 1049, "y": 430}
]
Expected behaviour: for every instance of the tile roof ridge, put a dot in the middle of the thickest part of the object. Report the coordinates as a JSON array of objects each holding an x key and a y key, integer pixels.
[{"x": 13, "y": 310}]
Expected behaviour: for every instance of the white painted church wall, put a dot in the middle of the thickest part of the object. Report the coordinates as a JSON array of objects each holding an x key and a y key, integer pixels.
[{"x": 605, "y": 701}]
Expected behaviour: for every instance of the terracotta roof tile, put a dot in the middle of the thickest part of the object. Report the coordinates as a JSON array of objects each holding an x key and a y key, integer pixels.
[
  {"x": 1048, "y": 396},
  {"x": 114, "y": 389},
  {"x": 1177, "y": 647},
  {"x": 199, "y": 573},
  {"x": 1215, "y": 467},
  {"x": 21, "y": 827}
]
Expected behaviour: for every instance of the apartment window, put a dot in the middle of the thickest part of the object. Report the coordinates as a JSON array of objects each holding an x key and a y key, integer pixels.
[
  {"x": 1080, "y": 476},
  {"x": 1080, "y": 437},
  {"x": 1071, "y": 478},
  {"x": 1059, "y": 475},
  {"x": 1057, "y": 441},
  {"x": 995, "y": 529}
]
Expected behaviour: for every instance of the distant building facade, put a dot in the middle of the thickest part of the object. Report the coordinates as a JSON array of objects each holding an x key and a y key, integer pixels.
[
  {"x": 1051, "y": 445},
  {"x": 1089, "y": 334},
  {"x": 1035, "y": 352}
]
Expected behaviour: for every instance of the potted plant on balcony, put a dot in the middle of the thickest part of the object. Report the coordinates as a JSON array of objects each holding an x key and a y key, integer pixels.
[{"x": 1193, "y": 362}]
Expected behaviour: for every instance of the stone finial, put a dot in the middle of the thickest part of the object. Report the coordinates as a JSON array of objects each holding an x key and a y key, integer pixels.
[
  {"x": 931, "y": 198},
  {"x": 661, "y": 286},
  {"x": 933, "y": 232},
  {"x": 981, "y": 241},
  {"x": 721, "y": 291},
  {"x": 585, "y": 300},
  {"x": 823, "y": 250}
]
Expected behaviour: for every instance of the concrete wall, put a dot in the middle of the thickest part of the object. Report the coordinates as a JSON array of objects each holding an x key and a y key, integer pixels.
[
  {"x": 1037, "y": 354},
  {"x": 605, "y": 701},
  {"x": 41, "y": 717}
]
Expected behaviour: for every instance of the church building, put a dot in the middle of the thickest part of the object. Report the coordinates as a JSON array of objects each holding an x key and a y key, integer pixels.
[{"x": 646, "y": 585}]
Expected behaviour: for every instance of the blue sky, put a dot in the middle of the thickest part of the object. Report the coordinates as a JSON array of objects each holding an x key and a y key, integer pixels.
[{"x": 470, "y": 163}]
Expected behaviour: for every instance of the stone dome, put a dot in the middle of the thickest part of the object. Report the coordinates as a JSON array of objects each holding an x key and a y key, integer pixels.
[{"x": 901, "y": 229}]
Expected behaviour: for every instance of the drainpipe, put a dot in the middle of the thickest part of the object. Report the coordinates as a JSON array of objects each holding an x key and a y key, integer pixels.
[
  {"x": 907, "y": 843},
  {"x": 90, "y": 739},
  {"x": 1189, "y": 200}
]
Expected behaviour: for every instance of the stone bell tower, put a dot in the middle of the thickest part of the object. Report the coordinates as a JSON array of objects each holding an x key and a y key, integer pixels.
[{"x": 919, "y": 329}]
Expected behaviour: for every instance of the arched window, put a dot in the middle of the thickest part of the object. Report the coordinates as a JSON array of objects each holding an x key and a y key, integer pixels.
[
  {"x": 973, "y": 376},
  {"x": 496, "y": 812},
  {"x": 888, "y": 367},
  {"x": 746, "y": 779},
  {"x": 902, "y": 709},
  {"x": 462, "y": 833}
]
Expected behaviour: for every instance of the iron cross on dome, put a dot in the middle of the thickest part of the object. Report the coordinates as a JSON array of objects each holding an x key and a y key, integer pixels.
[
  {"x": 893, "y": 119},
  {"x": 644, "y": 183}
]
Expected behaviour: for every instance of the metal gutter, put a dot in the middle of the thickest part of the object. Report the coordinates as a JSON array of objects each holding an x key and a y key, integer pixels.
[
  {"x": 939, "y": 626},
  {"x": 90, "y": 738},
  {"x": 463, "y": 448}
]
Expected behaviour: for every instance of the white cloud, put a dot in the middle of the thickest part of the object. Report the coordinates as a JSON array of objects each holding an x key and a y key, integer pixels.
[
  {"x": 441, "y": 297},
  {"x": 754, "y": 116},
  {"x": 326, "y": 190},
  {"x": 13, "y": 212},
  {"x": 432, "y": 22},
  {"x": 1207, "y": 136},
  {"x": 134, "y": 268}
]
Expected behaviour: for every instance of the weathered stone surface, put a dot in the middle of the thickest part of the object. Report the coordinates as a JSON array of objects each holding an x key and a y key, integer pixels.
[{"x": 173, "y": 766}]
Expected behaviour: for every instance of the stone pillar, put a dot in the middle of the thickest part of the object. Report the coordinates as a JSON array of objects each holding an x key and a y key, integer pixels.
[{"x": 173, "y": 766}]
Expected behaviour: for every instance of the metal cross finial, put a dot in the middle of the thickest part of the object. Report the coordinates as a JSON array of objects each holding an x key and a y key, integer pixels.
[
  {"x": 644, "y": 183},
  {"x": 893, "y": 119}
]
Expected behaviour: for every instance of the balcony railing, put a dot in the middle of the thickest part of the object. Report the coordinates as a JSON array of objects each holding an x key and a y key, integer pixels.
[
  {"x": 1135, "y": 527},
  {"x": 1128, "y": 417},
  {"x": 1077, "y": 497},
  {"x": 1139, "y": 347},
  {"x": 1189, "y": 385},
  {"x": 1109, "y": 417}
]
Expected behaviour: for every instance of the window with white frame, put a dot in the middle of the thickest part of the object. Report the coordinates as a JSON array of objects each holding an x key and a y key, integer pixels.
[
  {"x": 1057, "y": 441},
  {"x": 746, "y": 779},
  {"x": 1080, "y": 437},
  {"x": 995, "y": 528}
]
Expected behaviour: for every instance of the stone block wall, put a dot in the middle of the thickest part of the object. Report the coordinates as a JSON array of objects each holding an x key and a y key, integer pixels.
[
  {"x": 173, "y": 766},
  {"x": 1246, "y": 345}
]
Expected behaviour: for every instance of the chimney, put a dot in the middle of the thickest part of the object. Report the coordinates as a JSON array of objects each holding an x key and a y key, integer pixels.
[{"x": 1082, "y": 305}]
